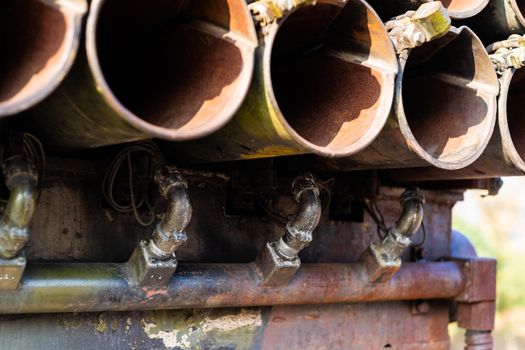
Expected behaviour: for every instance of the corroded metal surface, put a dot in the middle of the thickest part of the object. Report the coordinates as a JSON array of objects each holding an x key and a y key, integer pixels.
[
  {"x": 349, "y": 326},
  {"x": 322, "y": 84},
  {"x": 506, "y": 149},
  {"x": 21, "y": 177},
  {"x": 444, "y": 110},
  {"x": 39, "y": 43},
  {"x": 72, "y": 211},
  {"x": 325, "y": 83},
  {"x": 279, "y": 260},
  {"x": 153, "y": 262},
  {"x": 47, "y": 288},
  {"x": 131, "y": 81},
  {"x": 415, "y": 28},
  {"x": 382, "y": 260}
]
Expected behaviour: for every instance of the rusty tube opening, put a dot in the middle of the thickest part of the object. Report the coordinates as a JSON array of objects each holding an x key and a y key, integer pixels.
[
  {"x": 510, "y": 120},
  {"x": 177, "y": 69},
  {"x": 459, "y": 9},
  {"x": 332, "y": 71},
  {"x": 447, "y": 104},
  {"x": 39, "y": 42}
]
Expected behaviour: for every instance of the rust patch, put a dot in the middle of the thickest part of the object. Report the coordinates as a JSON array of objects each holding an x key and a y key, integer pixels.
[
  {"x": 33, "y": 34},
  {"x": 150, "y": 293}
]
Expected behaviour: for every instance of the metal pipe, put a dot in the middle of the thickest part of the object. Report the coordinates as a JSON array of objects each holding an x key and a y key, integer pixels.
[
  {"x": 498, "y": 20},
  {"x": 399, "y": 237},
  {"x": 21, "y": 179},
  {"x": 153, "y": 262},
  {"x": 444, "y": 110},
  {"x": 505, "y": 153},
  {"x": 323, "y": 84},
  {"x": 299, "y": 230},
  {"x": 169, "y": 232},
  {"x": 478, "y": 340},
  {"x": 39, "y": 44},
  {"x": 383, "y": 260},
  {"x": 457, "y": 9},
  {"x": 279, "y": 260},
  {"x": 173, "y": 70},
  {"x": 48, "y": 288}
]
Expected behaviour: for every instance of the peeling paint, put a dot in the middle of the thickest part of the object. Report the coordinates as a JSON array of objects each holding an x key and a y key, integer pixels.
[
  {"x": 222, "y": 328},
  {"x": 231, "y": 322}
]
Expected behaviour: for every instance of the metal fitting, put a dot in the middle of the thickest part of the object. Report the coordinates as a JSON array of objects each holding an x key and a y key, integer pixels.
[
  {"x": 153, "y": 262},
  {"x": 279, "y": 260},
  {"x": 414, "y": 28},
  {"x": 507, "y": 54},
  {"x": 11, "y": 271},
  {"x": 383, "y": 260},
  {"x": 478, "y": 340},
  {"x": 21, "y": 178},
  {"x": 266, "y": 12}
]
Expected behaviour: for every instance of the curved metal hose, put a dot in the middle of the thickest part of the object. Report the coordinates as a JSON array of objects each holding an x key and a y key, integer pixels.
[
  {"x": 21, "y": 178},
  {"x": 299, "y": 230}
]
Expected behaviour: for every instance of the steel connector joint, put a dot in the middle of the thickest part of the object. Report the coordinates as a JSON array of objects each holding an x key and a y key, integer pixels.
[
  {"x": 508, "y": 54},
  {"x": 409, "y": 222},
  {"x": 414, "y": 28},
  {"x": 153, "y": 262},
  {"x": 173, "y": 187},
  {"x": 21, "y": 178},
  {"x": 383, "y": 260},
  {"x": 279, "y": 260}
]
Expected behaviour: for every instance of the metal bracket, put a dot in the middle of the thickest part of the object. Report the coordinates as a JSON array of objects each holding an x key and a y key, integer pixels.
[
  {"x": 507, "y": 54},
  {"x": 266, "y": 12},
  {"x": 476, "y": 305},
  {"x": 11, "y": 271},
  {"x": 21, "y": 178},
  {"x": 414, "y": 28}
]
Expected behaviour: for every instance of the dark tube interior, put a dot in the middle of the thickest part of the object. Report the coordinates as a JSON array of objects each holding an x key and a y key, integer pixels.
[
  {"x": 516, "y": 112},
  {"x": 32, "y": 37},
  {"x": 165, "y": 66},
  {"x": 521, "y": 6},
  {"x": 328, "y": 100},
  {"x": 445, "y": 111}
]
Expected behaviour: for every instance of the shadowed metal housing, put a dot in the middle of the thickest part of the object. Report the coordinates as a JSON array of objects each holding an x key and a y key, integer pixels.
[
  {"x": 39, "y": 43},
  {"x": 323, "y": 84},
  {"x": 444, "y": 109},
  {"x": 174, "y": 70}
]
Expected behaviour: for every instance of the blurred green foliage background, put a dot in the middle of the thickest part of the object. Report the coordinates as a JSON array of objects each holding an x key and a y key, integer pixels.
[{"x": 496, "y": 227}]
